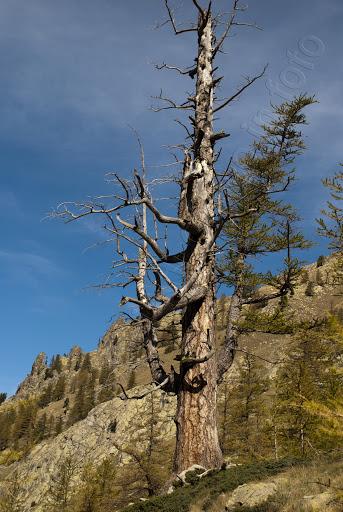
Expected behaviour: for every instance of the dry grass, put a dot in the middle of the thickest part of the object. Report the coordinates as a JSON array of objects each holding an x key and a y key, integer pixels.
[{"x": 314, "y": 488}]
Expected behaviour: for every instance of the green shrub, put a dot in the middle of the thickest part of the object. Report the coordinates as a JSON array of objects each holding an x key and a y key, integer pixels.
[{"x": 210, "y": 487}]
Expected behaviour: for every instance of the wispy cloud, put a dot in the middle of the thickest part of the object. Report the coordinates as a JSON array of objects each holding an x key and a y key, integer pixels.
[{"x": 27, "y": 268}]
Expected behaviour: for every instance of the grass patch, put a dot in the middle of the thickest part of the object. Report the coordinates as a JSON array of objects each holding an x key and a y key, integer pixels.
[{"x": 210, "y": 487}]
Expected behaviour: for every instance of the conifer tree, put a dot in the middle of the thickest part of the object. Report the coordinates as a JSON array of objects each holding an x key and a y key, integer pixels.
[
  {"x": 50, "y": 426},
  {"x": 332, "y": 226},
  {"x": 40, "y": 428},
  {"x": 3, "y": 397},
  {"x": 59, "y": 389},
  {"x": 99, "y": 489},
  {"x": 23, "y": 428},
  {"x": 308, "y": 377},
  {"x": 61, "y": 493},
  {"x": 89, "y": 400},
  {"x": 105, "y": 372},
  {"x": 46, "y": 396},
  {"x": 269, "y": 228},
  {"x": 86, "y": 365},
  {"x": 106, "y": 383},
  {"x": 76, "y": 412},
  {"x": 59, "y": 426},
  {"x": 174, "y": 336},
  {"x": 149, "y": 465},
  {"x": 327, "y": 407},
  {"x": 243, "y": 411},
  {"x": 7, "y": 421}
]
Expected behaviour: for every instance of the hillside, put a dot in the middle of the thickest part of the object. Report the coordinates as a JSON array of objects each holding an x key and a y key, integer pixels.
[{"x": 73, "y": 408}]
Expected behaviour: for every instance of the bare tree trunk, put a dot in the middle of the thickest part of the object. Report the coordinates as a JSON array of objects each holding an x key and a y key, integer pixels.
[{"x": 197, "y": 437}]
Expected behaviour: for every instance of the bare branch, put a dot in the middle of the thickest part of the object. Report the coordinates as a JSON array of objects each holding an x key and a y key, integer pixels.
[
  {"x": 172, "y": 21},
  {"x": 191, "y": 70},
  {"x": 249, "y": 82},
  {"x": 143, "y": 395},
  {"x": 171, "y": 104},
  {"x": 200, "y": 9},
  {"x": 230, "y": 23}
]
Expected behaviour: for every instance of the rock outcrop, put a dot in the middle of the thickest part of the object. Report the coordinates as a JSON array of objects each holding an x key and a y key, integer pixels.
[{"x": 92, "y": 440}]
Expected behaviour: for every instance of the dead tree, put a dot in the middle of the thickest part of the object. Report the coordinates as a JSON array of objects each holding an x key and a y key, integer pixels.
[{"x": 133, "y": 222}]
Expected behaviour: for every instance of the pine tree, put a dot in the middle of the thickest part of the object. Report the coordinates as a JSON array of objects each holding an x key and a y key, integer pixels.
[
  {"x": 50, "y": 426},
  {"x": 104, "y": 374},
  {"x": 40, "y": 428},
  {"x": 99, "y": 490},
  {"x": 269, "y": 228},
  {"x": 76, "y": 412},
  {"x": 107, "y": 383},
  {"x": 174, "y": 335},
  {"x": 46, "y": 396},
  {"x": 89, "y": 399},
  {"x": 332, "y": 227},
  {"x": 61, "y": 493},
  {"x": 59, "y": 389},
  {"x": 3, "y": 397},
  {"x": 243, "y": 411},
  {"x": 86, "y": 365},
  {"x": 309, "y": 376},
  {"x": 304, "y": 276},
  {"x": 150, "y": 456},
  {"x": 328, "y": 406},
  {"x": 7, "y": 420},
  {"x": 23, "y": 428},
  {"x": 59, "y": 426}
]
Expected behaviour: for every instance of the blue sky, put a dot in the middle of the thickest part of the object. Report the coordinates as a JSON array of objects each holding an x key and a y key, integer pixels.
[{"x": 74, "y": 75}]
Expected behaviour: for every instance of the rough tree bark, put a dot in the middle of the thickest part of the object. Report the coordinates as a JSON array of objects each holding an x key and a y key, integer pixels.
[{"x": 197, "y": 437}]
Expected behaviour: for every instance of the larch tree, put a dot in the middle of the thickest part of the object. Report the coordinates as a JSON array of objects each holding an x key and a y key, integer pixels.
[
  {"x": 269, "y": 229},
  {"x": 134, "y": 222},
  {"x": 332, "y": 226}
]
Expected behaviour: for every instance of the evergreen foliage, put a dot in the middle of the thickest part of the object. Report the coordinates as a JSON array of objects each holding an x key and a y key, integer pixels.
[
  {"x": 61, "y": 493},
  {"x": 210, "y": 487},
  {"x": 98, "y": 491},
  {"x": 84, "y": 400},
  {"x": 59, "y": 389},
  {"x": 310, "y": 381},
  {"x": 243, "y": 412},
  {"x": 149, "y": 456},
  {"x": 46, "y": 396},
  {"x": 268, "y": 228},
  {"x": 332, "y": 226}
]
